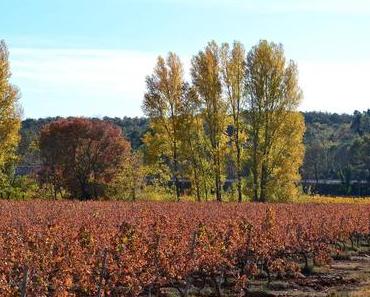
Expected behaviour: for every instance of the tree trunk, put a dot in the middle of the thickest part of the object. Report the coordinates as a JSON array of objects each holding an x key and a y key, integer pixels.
[
  {"x": 239, "y": 175},
  {"x": 255, "y": 177},
  {"x": 255, "y": 135},
  {"x": 196, "y": 181},
  {"x": 24, "y": 282},
  {"x": 177, "y": 184},
  {"x": 263, "y": 184},
  {"x": 218, "y": 179},
  {"x": 238, "y": 159}
]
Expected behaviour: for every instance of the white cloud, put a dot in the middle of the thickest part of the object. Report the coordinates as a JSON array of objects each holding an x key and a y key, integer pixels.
[
  {"x": 81, "y": 79},
  {"x": 114, "y": 70},
  {"x": 335, "y": 87},
  {"x": 112, "y": 82}
]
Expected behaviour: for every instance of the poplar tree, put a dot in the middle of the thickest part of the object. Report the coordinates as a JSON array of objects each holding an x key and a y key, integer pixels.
[
  {"x": 233, "y": 74},
  {"x": 163, "y": 104},
  {"x": 206, "y": 76},
  {"x": 194, "y": 150},
  {"x": 9, "y": 115},
  {"x": 275, "y": 128}
]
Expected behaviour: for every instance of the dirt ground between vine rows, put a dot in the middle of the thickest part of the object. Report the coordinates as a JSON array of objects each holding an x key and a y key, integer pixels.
[{"x": 343, "y": 278}]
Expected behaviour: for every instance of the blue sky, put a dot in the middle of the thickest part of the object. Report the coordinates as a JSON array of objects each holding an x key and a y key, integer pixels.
[{"x": 90, "y": 57}]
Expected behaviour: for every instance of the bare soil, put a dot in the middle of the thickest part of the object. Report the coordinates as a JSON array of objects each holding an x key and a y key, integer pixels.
[
  {"x": 347, "y": 276},
  {"x": 343, "y": 278}
]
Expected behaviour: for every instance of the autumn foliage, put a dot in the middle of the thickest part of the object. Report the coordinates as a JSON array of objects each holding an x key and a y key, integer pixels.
[
  {"x": 9, "y": 117},
  {"x": 81, "y": 156},
  {"x": 130, "y": 249},
  {"x": 236, "y": 120}
]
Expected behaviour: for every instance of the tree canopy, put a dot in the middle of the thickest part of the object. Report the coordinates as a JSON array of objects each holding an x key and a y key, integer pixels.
[
  {"x": 81, "y": 156},
  {"x": 9, "y": 117}
]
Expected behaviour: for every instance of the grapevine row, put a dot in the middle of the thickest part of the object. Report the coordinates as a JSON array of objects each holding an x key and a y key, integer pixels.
[{"x": 133, "y": 249}]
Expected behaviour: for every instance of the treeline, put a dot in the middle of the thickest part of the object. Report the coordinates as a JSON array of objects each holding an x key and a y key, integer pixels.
[
  {"x": 326, "y": 136},
  {"x": 337, "y": 153},
  {"x": 233, "y": 130}
]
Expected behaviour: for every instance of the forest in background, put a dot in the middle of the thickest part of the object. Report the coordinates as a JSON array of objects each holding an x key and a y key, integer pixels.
[{"x": 337, "y": 148}]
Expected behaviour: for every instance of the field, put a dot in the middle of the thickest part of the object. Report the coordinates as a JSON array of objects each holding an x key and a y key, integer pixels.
[{"x": 66, "y": 248}]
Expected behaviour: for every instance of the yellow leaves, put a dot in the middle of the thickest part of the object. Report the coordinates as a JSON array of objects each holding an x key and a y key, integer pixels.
[
  {"x": 335, "y": 200},
  {"x": 275, "y": 128},
  {"x": 9, "y": 112},
  {"x": 164, "y": 89},
  {"x": 129, "y": 179},
  {"x": 239, "y": 110},
  {"x": 286, "y": 157}
]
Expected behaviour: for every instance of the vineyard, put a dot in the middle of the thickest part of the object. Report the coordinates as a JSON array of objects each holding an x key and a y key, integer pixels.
[{"x": 148, "y": 249}]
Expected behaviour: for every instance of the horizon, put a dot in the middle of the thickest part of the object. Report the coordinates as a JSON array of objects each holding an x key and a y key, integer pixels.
[
  {"x": 145, "y": 117},
  {"x": 85, "y": 58}
]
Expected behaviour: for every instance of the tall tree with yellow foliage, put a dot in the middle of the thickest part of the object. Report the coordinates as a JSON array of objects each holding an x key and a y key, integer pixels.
[
  {"x": 233, "y": 74},
  {"x": 275, "y": 128},
  {"x": 195, "y": 155},
  {"x": 9, "y": 115},
  {"x": 163, "y": 104},
  {"x": 206, "y": 76}
]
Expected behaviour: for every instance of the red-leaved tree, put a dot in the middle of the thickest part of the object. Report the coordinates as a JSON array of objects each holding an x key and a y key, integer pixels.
[{"x": 81, "y": 156}]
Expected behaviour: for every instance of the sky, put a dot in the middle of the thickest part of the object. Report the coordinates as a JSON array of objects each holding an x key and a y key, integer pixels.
[{"x": 90, "y": 57}]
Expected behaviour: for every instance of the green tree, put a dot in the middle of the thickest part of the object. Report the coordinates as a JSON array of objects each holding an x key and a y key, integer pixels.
[
  {"x": 9, "y": 117},
  {"x": 275, "y": 128},
  {"x": 163, "y": 104},
  {"x": 314, "y": 160},
  {"x": 360, "y": 156},
  {"x": 205, "y": 71}
]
